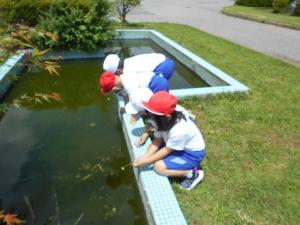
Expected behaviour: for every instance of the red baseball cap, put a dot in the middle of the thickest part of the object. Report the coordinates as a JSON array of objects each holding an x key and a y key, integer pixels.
[
  {"x": 107, "y": 82},
  {"x": 161, "y": 103}
]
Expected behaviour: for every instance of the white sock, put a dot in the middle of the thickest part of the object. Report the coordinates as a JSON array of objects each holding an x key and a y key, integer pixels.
[{"x": 190, "y": 174}]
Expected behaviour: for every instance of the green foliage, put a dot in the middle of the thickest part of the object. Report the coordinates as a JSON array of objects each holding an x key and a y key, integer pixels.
[
  {"x": 23, "y": 11},
  {"x": 77, "y": 27},
  {"x": 265, "y": 15},
  {"x": 27, "y": 11},
  {"x": 280, "y": 5},
  {"x": 13, "y": 38},
  {"x": 123, "y": 7},
  {"x": 297, "y": 10},
  {"x": 255, "y": 3}
]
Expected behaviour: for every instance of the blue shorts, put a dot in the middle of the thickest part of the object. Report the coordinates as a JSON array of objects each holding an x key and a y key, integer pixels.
[
  {"x": 166, "y": 68},
  {"x": 158, "y": 83},
  {"x": 184, "y": 160}
]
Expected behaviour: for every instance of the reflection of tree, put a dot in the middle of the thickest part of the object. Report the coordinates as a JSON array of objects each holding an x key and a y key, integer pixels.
[
  {"x": 125, "y": 51},
  {"x": 122, "y": 48}
]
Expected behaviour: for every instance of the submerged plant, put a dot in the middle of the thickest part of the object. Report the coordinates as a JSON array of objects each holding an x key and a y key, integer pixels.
[
  {"x": 110, "y": 213},
  {"x": 36, "y": 98},
  {"x": 87, "y": 169}
]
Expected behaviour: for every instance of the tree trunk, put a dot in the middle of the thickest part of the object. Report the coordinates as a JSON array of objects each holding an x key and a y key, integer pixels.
[{"x": 123, "y": 18}]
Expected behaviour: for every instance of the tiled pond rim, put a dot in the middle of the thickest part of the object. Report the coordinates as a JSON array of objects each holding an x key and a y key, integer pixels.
[
  {"x": 219, "y": 81},
  {"x": 8, "y": 70},
  {"x": 158, "y": 197}
]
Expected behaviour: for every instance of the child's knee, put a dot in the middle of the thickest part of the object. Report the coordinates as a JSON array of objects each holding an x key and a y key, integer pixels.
[{"x": 159, "y": 167}]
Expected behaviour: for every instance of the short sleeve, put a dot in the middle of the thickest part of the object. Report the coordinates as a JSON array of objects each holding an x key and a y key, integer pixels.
[{"x": 176, "y": 142}]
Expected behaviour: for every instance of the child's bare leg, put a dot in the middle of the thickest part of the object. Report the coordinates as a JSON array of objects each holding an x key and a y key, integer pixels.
[{"x": 161, "y": 168}]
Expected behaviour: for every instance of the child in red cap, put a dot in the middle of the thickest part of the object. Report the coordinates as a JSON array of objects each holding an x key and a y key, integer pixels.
[
  {"x": 127, "y": 84},
  {"x": 184, "y": 145}
]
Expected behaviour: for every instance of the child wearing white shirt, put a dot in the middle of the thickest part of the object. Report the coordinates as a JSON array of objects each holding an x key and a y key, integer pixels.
[
  {"x": 184, "y": 145},
  {"x": 148, "y": 62}
]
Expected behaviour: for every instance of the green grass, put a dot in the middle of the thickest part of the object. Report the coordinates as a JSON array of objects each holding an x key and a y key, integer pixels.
[
  {"x": 253, "y": 141},
  {"x": 263, "y": 15}
]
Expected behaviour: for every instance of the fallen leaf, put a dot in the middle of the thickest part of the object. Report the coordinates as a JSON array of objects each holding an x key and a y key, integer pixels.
[{"x": 11, "y": 219}]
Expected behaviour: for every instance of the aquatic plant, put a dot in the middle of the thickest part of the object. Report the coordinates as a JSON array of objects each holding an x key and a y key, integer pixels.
[
  {"x": 37, "y": 98},
  {"x": 111, "y": 213},
  {"x": 87, "y": 169}
]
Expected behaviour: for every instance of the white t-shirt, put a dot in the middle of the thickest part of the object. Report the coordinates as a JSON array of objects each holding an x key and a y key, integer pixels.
[
  {"x": 143, "y": 63},
  {"x": 184, "y": 135},
  {"x": 133, "y": 81},
  {"x": 136, "y": 99},
  {"x": 179, "y": 108}
]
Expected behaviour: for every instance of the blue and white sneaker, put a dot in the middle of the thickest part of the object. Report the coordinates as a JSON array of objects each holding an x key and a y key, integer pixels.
[{"x": 190, "y": 183}]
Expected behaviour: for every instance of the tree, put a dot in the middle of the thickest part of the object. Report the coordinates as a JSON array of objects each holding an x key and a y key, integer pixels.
[{"x": 124, "y": 7}]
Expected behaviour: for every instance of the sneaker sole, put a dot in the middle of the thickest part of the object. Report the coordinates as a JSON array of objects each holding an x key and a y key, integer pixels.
[{"x": 197, "y": 180}]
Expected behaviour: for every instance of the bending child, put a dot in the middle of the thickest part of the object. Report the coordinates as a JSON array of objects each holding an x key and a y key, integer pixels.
[{"x": 184, "y": 146}]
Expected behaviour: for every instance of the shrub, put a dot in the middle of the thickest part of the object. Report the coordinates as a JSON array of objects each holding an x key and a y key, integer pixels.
[
  {"x": 77, "y": 27},
  {"x": 255, "y": 3},
  {"x": 23, "y": 11},
  {"x": 280, "y": 5},
  {"x": 27, "y": 11}
]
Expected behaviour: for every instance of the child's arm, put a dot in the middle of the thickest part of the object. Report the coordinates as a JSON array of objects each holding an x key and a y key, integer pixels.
[
  {"x": 153, "y": 147},
  {"x": 142, "y": 139},
  {"x": 158, "y": 155}
]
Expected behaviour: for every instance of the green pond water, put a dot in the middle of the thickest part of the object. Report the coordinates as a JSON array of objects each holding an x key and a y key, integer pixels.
[
  {"x": 60, "y": 163},
  {"x": 182, "y": 77}
]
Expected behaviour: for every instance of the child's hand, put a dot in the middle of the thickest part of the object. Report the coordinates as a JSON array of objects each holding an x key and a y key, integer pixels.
[
  {"x": 140, "y": 141},
  {"x": 140, "y": 161}
]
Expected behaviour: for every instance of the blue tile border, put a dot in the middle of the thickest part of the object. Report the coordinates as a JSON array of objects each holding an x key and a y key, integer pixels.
[
  {"x": 9, "y": 68},
  {"x": 157, "y": 195},
  {"x": 220, "y": 81},
  {"x": 159, "y": 200}
]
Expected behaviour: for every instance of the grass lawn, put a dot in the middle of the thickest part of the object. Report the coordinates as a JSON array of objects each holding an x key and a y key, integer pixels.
[
  {"x": 253, "y": 141},
  {"x": 263, "y": 15}
]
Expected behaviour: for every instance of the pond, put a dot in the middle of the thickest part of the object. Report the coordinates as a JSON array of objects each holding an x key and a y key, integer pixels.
[
  {"x": 183, "y": 77},
  {"x": 61, "y": 162}
]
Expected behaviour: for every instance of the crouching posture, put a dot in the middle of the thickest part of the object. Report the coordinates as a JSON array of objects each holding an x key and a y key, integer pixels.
[{"x": 178, "y": 146}]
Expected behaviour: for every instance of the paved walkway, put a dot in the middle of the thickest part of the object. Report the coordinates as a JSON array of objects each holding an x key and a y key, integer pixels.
[{"x": 279, "y": 42}]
